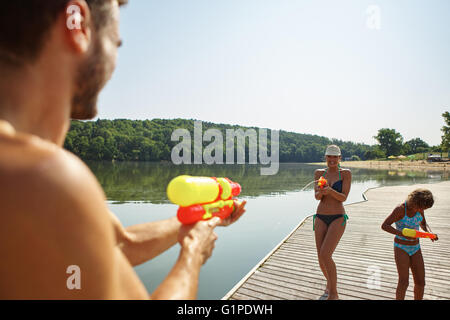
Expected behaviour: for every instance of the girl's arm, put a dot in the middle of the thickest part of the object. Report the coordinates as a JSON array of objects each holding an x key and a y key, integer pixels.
[
  {"x": 425, "y": 227},
  {"x": 395, "y": 216},
  {"x": 424, "y": 224}
]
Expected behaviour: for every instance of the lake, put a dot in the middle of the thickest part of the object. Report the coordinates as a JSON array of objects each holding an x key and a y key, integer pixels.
[{"x": 136, "y": 193}]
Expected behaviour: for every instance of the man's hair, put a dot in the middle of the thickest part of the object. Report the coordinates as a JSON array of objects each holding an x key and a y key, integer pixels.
[
  {"x": 422, "y": 198},
  {"x": 24, "y": 25}
]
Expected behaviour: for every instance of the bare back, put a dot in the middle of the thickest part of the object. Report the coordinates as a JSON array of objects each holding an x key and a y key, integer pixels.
[{"x": 54, "y": 215}]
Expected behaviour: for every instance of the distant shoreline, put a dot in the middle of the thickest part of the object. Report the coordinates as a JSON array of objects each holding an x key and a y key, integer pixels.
[{"x": 420, "y": 165}]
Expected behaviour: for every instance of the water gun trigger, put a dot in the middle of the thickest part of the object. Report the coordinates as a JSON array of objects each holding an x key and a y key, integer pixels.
[{"x": 214, "y": 209}]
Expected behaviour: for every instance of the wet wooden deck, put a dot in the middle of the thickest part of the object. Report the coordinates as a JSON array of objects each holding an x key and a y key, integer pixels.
[{"x": 364, "y": 257}]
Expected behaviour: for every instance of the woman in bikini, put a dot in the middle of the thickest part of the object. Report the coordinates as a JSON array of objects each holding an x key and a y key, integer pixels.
[
  {"x": 330, "y": 221},
  {"x": 407, "y": 252}
]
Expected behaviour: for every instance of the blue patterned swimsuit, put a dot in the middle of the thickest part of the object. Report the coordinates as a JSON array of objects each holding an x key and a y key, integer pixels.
[{"x": 410, "y": 223}]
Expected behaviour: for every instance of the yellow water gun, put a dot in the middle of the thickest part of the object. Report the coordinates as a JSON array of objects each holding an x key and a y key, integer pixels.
[
  {"x": 202, "y": 198},
  {"x": 417, "y": 234}
]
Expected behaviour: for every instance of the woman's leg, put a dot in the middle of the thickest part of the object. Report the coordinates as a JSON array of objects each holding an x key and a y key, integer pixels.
[
  {"x": 320, "y": 231},
  {"x": 418, "y": 271},
  {"x": 332, "y": 237},
  {"x": 402, "y": 261}
]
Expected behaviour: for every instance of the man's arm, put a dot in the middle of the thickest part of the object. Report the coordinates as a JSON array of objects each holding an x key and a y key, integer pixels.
[
  {"x": 197, "y": 244},
  {"x": 143, "y": 242}
]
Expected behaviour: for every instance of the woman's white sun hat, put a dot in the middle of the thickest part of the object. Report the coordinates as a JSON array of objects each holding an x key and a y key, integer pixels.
[{"x": 333, "y": 150}]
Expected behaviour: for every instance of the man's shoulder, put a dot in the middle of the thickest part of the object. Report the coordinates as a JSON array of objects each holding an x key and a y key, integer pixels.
[
  {"x": 26, "y": 154},
  {"x": 53, "y": 215},
  {"x": 35, "y": 174}
]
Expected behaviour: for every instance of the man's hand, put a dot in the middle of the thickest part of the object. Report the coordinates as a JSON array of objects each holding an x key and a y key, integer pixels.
[
  {"x": 239, "y": 210},
  {"x": 199, "y": 238}
]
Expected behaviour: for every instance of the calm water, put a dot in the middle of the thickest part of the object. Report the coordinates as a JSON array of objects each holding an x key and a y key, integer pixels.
[{"x": 275, "y": 205}]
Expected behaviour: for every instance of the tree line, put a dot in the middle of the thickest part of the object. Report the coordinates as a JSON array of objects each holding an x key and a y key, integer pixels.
[
  {"x": 150, "y": 140},
  {"x": 391, "y": 142}
]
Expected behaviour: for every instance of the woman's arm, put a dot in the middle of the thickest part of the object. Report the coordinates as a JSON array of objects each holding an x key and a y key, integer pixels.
[
  {"x": 346, "y": 185},
  {"x": 318, "y": 194}
]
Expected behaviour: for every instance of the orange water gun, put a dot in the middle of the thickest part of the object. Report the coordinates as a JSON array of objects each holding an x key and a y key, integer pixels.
[
  {"x": 322, "y": 182},
  {"x": 417, "y": 234},
  {"x": 202, "y": 198}
]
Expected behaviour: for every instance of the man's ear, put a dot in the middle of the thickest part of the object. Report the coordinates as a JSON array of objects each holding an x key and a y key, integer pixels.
[{"x": 78, "y": 24}]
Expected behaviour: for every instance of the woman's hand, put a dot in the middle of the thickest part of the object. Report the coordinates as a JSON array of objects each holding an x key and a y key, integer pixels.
[{"x": 326, "y": 190}]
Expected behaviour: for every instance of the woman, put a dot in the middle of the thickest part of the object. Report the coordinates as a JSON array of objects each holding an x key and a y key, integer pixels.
[{"x": 330, "y": 221}]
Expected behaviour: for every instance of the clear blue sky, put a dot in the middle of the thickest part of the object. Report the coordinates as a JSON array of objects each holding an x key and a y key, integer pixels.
[{"x": 304, "y": 66}]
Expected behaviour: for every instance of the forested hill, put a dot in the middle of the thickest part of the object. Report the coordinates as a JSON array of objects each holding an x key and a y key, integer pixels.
[{"x": 150, "y": 140}]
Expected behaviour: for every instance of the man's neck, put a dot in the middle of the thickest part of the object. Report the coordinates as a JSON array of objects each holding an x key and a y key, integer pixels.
[{"x": 34, "y": 103}]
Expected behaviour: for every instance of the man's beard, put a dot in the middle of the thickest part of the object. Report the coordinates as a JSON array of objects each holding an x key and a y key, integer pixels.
[{"x": 89, "y": 80}]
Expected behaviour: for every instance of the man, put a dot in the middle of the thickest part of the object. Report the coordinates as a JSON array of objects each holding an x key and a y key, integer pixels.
[{"x": 55, "y": 57}]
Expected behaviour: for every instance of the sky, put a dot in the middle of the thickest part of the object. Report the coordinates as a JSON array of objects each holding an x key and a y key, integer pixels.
[{"x": 339, "y": 68}]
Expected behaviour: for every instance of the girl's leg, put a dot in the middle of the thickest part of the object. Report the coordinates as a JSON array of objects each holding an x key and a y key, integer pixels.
[
  {"x": 402, "y": 261},
  {"x": 320, "y": 231},
  {"x": 418, "y": 271},
  {"x": 334, "y": 234}
]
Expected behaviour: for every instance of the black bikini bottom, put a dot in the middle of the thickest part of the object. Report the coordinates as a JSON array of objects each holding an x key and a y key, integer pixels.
[{"x": 329, "y": 218}]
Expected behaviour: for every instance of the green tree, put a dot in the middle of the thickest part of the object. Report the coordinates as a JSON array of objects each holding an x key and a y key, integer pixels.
[
  {"x": 446, "y": 130},
  {"x": 150, "y": 140},
  {"x": 390, "y": 141},
  {"x": 374, "y": 153},
  {"x": 416, "y": 145}
]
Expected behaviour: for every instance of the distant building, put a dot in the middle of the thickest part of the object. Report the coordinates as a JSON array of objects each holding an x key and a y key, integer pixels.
[{"x": 434, "y": 158}]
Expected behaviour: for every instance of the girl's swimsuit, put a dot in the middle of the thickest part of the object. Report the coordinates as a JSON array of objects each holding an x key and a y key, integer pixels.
[
  {"x": 411, "y": 223},
  {"x": 329, "y": 218}
]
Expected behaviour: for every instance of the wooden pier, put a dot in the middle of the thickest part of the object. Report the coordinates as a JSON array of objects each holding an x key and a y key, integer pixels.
[{"x": 364, "y": 257}]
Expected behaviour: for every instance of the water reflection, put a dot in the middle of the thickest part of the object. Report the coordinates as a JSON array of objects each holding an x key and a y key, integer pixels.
[{"x": 146, "y": 182}]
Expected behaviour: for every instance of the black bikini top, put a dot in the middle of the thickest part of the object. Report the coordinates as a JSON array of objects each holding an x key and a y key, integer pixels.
[{"x": 338, "y": 184}]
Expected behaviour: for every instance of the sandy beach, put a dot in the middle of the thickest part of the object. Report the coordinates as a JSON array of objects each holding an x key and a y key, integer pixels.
[{"x": 398, "y": 165}]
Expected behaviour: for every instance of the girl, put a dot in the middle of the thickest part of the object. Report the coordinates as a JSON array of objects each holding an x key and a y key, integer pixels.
[
  {"x": 407, "y": 250},
  {"x": 330, "y": 223}
]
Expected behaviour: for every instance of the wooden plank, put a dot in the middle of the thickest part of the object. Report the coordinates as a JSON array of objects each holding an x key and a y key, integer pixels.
[{"x": 291, "y": 270}]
